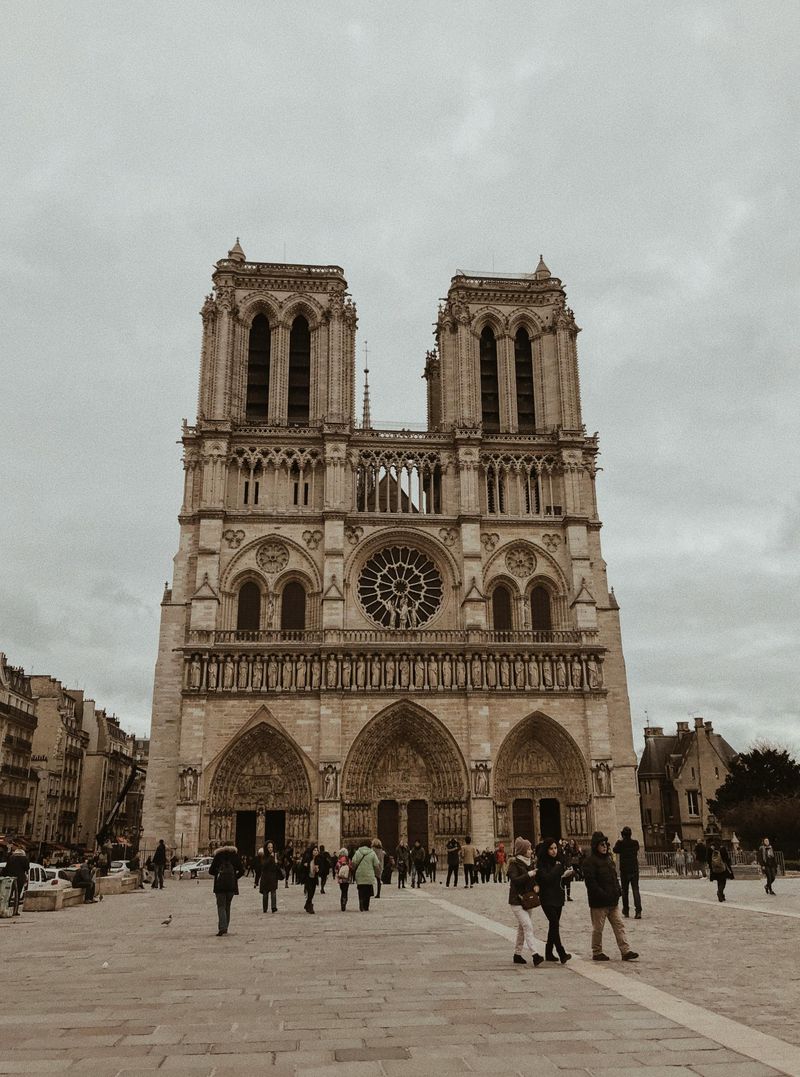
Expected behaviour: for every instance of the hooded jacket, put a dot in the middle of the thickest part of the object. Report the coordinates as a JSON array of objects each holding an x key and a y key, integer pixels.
[
  {"x": 600, "y": 875},
  {"x": 225, "y": 880},
  {"x": 367, "y": 866}
]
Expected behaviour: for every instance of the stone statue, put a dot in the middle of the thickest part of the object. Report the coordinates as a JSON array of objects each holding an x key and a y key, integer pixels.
[
  {"x": 257, "y": 676},
  {"x": 331, "y": 674},
  {"x": 242, "y": 680},
  {"x": 602, "y": 776},
  {"x": 491, "y": 672},
  {"x": 561, "y": 673},
  {"x": 316, "y": 672},
  {"x": 502, "y": 819},
  {"x": 533, "y": 673},
  {"x": 419, "y": 673},
  {"x": 519, "y": 672},
  {"x": 577, "y": 673},
  {"x": 300, "y": 676},
  {"x": 188, "y": 784},
  {"x": 480, "y": 780},
  {"x": 461, "y": 672},
  {"x": 361, "y": 672},
  {"x": 286, "y": 674},
  {"x": 346, "y": 673},
  {"x": 212, "y": 673},
  {"x": 595, "y": 678},
  {"x": 329, "y": 782},
  {"x": 272, "y": 672},
  {"x": 404, "y": 667},
  {"x": 375, "y": 672},
  {"x": 476, "y": 673},
  {"x": 390, "y": 666},
  {"x": 447, "y": 673},
  {"x": 195, "y": 673},
  {"x": 505, "y": 672},
  {"x": 547, "y": 673},
  {"x": 433, "y": 674},
  {"x": 227, "y": 673},
  {"x": 269, "y": 611}
]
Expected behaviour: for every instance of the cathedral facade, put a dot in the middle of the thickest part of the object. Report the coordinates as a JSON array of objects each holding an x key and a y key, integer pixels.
[{"x": 398, "y": 633}]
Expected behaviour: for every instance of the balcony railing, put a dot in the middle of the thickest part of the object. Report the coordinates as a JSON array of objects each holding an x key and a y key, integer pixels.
[{"x": 417, "y": 637}]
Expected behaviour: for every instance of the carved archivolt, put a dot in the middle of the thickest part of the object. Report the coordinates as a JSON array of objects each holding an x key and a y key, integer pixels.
[{"x": 539, "y": 758}]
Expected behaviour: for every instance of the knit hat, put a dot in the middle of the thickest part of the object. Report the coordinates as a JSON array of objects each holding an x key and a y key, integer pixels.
[
  {"x": 343, "y": 852},
  {"x": 522, "y": 847}
]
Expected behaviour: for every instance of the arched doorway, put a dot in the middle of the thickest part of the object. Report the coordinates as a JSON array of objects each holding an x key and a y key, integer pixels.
[
  {"x": 405, "y": 778},
  {"x": 260, "y": 791},
  {"x": 541, "y": 784}
]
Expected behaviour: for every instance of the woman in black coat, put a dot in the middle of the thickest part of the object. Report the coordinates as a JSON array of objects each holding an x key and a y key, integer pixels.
[
  {"x": 270, "y": 876},
  {"x": 226, "y": 869},
  {"x": 550, "y": 871}
]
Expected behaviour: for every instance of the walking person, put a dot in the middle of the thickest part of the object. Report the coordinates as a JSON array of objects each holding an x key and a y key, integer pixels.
[
  {"x": 468, "y": 855},
  {"x": 522, "y": 884},
  {"x": 603, "y": 893},
  {"x": 701, "y": 857},
  {"x": 627, "y": 849},
  {"x": 768, "y": 863},
  {"x": 309, "y": 870},
  {"x": 719, "y": 867},
  {"x": 324, "y": 866},
  {"x": 453, "y": 861},
  {"x": 258, "y": 865},
  {"x": 433, "y": 861},
  {"x": 500, "y": 863},
  {"x": 367, "y": 867},
  {"x": 288, "y": 864},
  {"x": 269, "y": 874},
  {"x": 403, "y": 858},
  {"x": 418, "y": 857},
  {"x": 226, "y": 869},
  {"x": 551, "y": 873},
  {"x": 16, "y": 868},
  {"x": 380, "y": 852},
  {"x": 680, "y": 861},
  {"x": 159, "y": 863},
  {"x": 343, "y": 873}
]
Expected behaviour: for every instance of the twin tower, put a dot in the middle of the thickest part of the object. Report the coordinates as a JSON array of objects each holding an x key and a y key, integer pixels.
[{"x": 384, "y": 632}]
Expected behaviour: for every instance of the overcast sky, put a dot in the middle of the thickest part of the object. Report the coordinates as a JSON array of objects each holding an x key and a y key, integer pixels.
[{"x": 649, "y": 151}]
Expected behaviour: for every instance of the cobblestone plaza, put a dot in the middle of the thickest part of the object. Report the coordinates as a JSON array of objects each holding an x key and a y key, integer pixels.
[{"x": 424, "y": 985}]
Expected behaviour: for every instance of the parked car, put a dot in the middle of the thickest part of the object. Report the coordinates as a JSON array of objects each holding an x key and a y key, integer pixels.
[
  {"x": 37, "y": 877},
  {"x": 59, "y": 877},
  {"x": 196, "y": 868},
  {"x": 119, "y": 867}
]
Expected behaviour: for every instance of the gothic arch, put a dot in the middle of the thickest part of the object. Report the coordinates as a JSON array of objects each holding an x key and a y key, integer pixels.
[
  {"x": 405, "y": 753},
  {"x": 261, "y": 769},
  {"x": 245, "y": 560},
  {"x": 527, "y": 320},
  {"x": 405, "y": 536},
  {"x": 258, "y": 303},
  {"x": 538, "y": 759},
  {"x": 305, "y": 305},
  {"x": 492, "y": 317}
]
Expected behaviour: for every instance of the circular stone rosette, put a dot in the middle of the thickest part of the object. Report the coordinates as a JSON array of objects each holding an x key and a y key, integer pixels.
[{"x": 400, "y": 588}]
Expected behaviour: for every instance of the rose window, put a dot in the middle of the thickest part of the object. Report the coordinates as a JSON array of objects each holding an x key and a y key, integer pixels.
[{"x": 399, "y": 587}]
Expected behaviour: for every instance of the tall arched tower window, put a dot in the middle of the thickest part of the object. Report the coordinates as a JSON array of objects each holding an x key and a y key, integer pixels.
[
  {"x": 248, "y": 610},
  {"x": 541, "y": 616},
  {"x": 258, "y": 369},
  {"x": 501, "y": 609},
  {"x": 523, "y": 368},
  {"x": 293, "y": 607},
  {"x": 490, "y": 391},
  {"x": 299, "y": 372}
]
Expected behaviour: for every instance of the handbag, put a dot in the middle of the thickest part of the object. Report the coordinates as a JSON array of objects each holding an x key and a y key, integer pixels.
[
  {"x": 281, "y": 874},
  {"x": 530, "y": 900}
]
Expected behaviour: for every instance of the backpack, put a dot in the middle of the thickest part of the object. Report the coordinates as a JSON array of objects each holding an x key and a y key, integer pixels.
[
  {"x": 343, "y": 874},
  {"x": 226, "y": 877},
  {"x": 717, "y": 863}
]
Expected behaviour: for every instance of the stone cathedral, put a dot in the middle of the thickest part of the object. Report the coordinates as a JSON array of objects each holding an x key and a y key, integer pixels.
[{"x": 387, "y": 632}]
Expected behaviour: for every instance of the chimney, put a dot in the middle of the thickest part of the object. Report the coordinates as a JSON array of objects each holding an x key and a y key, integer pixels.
[
  {"x": 698, "y": 724},
  {"x": 653, "y": 731},
  {"x": 683, "y": 727},
  {"x": 709, "y": 727}
]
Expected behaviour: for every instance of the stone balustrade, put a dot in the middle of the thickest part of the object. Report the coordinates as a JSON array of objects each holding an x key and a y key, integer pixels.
[{"x": 393, "y": 638}]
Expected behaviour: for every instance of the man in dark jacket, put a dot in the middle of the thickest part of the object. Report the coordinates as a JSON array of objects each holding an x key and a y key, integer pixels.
[
  {"x": 418, "y": 857},
  {"x": 453, "y": 860},
  {"x": 159, "y": 863},
  {"x": 16, "y": 868},
  {"x": 226, "y": 868},
  {"x": 701, "y": 857},
  {"x": 627, "y": 849},
  {"x": 603, "y": 892}
]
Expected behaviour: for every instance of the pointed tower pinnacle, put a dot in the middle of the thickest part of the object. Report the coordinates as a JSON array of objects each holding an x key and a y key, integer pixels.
[
  {"x": 366, "y": 420},
  {"x": 236, "y": 254},
  {"x": 542, "y": 272}
]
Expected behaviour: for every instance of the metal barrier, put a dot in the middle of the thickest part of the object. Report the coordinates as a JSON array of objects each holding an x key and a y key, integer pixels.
[{"x": 663, "y": 864}]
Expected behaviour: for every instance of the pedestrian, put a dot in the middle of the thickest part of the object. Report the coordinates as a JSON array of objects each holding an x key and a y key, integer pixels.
[
  {"x": 226, "y": 869},
  {"x": 380, "y": 852},
  {"x": 324, "y": 866},
  {"x": 603, "y": 893},
  {"x": 16, "y": 868},
  {"x": 433, "y": 861},
  {"x": 551, "y": 872},
  {"x": 288, "y": 864},
  {"x": 719, "y": 867},
  {"x": 258, "y": 864},
  {"x": 522, "y": 885},
  {"x": 627, "y": 849},
  {"x": 453, "y": 861},
  {"x": 84, "y": 879},
  {"x": 468, "y": 855},
  {"x": 388, "y": 868},
  {"x": 403, "y": 858},
  {"x": 159, "y": 864},
  {"x": 269, "y": 875},
  {"x": 500, "y": 863},
  {"x": 418, "y": 858},
  {"x": 768, "y": 864},
  {"x": 308, "y": 873},
  {"x": 367, "y": 867},
  {"x": 343, "y": 873},
  {"x": 701, "y": 857},
  {"x": 680, "y": 861}
]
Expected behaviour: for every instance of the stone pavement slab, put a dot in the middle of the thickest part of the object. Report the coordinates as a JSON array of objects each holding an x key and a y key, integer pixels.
[{"x": 417, "y": 986}]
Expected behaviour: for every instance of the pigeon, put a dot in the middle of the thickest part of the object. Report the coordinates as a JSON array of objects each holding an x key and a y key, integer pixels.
[
  {"x": 168, "y": 921},
  {"x": 105, "y": 964}
]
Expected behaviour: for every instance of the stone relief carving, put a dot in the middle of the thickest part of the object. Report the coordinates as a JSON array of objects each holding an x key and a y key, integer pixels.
[
  {"x": 272, "y": 556},
  {"x": 551, "y": 542},
  {"x": 233, "y": 538},
  {"x": 312, "y": 539},
  {"x": 601, "y": 772},
  {"x": 520, "y": 561},
  {"x": 489, "y": 540},
  {"x": 188, "y": 780},
  {"x": 330, "y": 781},
  {"x": 448, "y": 535},
  {"x": 353, "y": 534},
  {"x": 480, "y": 777}
]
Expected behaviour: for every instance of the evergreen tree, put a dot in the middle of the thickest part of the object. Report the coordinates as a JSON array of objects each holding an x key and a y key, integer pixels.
[{"x": 763, "y": 773}]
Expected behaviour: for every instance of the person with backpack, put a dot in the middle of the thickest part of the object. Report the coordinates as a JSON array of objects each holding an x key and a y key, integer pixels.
[
  {"x": 380, "y": 852},
  {"x": 343, "y": 873},
  {"x": 323, "y": 868},
  {"x": 226, "y": 869},
  {"x": 719, "y": 867},
  {"x": 433, "y": 861},
  {"x": 366, "y": 866},
  {"x": 418, "y": 858}
]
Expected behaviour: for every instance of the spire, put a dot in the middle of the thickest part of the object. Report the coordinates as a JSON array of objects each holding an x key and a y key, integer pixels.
[
  {"x": 236, "y": 254},
  {"x": 542, "y": 272},
  {"x": 366, "y": 421}
]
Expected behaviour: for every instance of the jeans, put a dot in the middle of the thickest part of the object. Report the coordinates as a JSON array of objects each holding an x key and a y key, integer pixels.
[
  {"x": 158, "y": 876},
  {"x": 344, "y": 889},
  {"x": 311, "y": 888},
  {"x": 469, "y": 874},
  {"x": 224, "y": 910},
  {"x": 631, "y": 881},
  {"x": 721, "y": 881},
  {"x": 265, "y": 899},
  {"x": 452, "y": 870},
  {"x": 614, "y": 917},
  {"x": 553, "y": 914},
  {"x": 500, "y": 872},
  {"x": 524, "y": 930},
  {"x": 432, "y": 872},
  {"x": 364, "y": 894}
]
